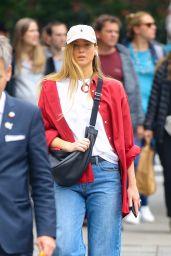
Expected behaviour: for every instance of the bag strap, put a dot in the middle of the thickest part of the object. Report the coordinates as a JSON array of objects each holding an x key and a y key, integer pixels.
[{"x": 96, "y": 103}]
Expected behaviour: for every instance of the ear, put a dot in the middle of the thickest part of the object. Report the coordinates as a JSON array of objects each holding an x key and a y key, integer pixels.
[
  {"x": 96, "y": 50},
  {"x": 97, "y": 34},
  {"x": 9, "y": 73},
  {"x": 136, "y": 30}
]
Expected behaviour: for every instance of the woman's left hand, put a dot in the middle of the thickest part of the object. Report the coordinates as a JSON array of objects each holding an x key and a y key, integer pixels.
[{"x": 134, "y": 198}]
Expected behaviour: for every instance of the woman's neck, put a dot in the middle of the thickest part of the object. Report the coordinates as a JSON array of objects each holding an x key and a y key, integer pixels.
[
  {"x": 140, "y": 44},
  {"x": 27, "y": 52},
  {"x": 87, "y": 72}
]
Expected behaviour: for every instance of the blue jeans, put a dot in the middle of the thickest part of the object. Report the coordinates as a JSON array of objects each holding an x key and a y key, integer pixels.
[
  {"x": 144, "y": 199},
  {"x": 101, "y": 202}
]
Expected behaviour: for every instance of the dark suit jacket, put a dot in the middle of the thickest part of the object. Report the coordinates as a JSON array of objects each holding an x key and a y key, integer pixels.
[
  {"x": 50, "y": 66},
  {"x": 23, "y": 164}
]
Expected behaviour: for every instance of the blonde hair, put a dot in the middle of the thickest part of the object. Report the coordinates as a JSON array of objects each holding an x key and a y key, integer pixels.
[
  {"x": 70, "y": 69},
  {"x": 134, "y": 19},
  {"x": 37, "y": 54}
]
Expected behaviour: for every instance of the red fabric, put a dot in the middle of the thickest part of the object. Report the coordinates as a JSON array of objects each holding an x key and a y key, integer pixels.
[
  {"x": 114, "y": 110},
  {"x": 112, "y": 65}
]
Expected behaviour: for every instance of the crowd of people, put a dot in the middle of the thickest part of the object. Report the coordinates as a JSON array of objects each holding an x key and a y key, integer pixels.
[{"x": 52, "y": 78}]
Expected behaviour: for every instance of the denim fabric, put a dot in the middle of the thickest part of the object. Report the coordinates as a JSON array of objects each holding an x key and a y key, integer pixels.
[
  {"x": 101, "y": 202},
  {"x": 144, "y": 199}
]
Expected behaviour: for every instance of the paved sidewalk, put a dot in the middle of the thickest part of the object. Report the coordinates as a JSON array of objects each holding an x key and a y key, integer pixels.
[{"x": 149, "y": 239}]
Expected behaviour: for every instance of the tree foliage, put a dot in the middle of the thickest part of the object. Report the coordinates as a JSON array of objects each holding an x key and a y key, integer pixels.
[{"x": 75, "y": 11}]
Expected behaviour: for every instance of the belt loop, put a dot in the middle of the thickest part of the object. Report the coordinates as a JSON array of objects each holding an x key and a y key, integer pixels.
[{"x": 97, "y": 161}]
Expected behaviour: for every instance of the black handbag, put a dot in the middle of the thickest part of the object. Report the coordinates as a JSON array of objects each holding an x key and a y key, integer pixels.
[{"x": 68, "y": 167}]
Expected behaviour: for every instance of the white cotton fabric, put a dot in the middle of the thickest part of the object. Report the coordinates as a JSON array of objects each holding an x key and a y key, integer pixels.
[{"x": 77, "y": 112}]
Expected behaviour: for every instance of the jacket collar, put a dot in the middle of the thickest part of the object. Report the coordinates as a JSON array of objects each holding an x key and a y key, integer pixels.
[
  {"x": 54, "y": 104},
  {"x": 94, "y": 80}
]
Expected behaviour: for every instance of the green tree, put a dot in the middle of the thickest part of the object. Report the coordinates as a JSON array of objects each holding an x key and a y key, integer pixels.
[{"x": 77, "y": 11}]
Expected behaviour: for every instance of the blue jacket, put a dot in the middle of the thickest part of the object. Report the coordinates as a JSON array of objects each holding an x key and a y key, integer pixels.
[{"x": 24, "y": 164}]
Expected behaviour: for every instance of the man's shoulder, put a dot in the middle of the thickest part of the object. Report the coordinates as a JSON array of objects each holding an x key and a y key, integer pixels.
[
  {"x": 22, "y": 105},
  {"x": 122, "y": 49}
]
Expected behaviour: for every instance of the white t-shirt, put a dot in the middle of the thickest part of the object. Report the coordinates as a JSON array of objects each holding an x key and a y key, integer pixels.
[
  {"x": 2, "y": 105},
  {"x": 77, "y": 112}
]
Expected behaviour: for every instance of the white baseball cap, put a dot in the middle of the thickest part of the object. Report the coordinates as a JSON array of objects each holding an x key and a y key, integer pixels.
[{"x": 81, "y": 32}]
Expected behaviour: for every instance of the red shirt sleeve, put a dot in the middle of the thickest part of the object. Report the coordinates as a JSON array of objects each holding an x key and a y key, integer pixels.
[
  {"x": 50, "y": 131},
  {"x": 131, "y": 150}
]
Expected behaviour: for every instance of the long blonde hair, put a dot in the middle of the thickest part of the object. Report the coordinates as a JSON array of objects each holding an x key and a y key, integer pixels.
[
  {"x": 134, "y": 19},
  {"x": 70, "y": 69},
  {"x": 37, "y": 54}
]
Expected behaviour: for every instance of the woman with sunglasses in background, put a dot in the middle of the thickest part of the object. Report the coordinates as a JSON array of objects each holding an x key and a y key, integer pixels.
[{"x": 144, "y": 53}]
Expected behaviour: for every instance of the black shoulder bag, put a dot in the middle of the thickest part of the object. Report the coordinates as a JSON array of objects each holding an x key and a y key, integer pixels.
[{"x": 68, "y": 167}]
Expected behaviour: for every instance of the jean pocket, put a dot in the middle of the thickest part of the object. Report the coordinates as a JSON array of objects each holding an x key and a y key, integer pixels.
[{"x": 108, "y": 166}]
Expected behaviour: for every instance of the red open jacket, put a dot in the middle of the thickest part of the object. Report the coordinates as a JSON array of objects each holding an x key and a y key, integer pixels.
[{"x": 115, "y": 113}]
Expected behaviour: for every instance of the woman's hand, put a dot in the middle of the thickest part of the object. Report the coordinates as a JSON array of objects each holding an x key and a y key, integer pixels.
[
  {"x": 133, "y": 194},
  {"x": 134, "y": 198},
  {"x": 79, "y": 145}
]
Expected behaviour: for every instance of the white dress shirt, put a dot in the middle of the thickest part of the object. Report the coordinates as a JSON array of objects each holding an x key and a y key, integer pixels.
[
  {"x": 77, "y": 112},
  {"x": 2, "y": 105}
]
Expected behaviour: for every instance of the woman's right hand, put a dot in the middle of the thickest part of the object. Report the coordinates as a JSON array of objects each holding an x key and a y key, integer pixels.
[{"x": 79, "y": 145}]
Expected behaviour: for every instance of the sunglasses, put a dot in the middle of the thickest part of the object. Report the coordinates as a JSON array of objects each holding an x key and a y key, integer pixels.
[{"x": 148, "y": 24}]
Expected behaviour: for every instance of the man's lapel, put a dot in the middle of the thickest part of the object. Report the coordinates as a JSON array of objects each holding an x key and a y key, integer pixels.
[{"x": 8, "y": 117}]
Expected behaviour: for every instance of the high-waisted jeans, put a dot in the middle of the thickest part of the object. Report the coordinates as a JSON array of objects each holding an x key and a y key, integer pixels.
[{"x": 100, "y": 201}]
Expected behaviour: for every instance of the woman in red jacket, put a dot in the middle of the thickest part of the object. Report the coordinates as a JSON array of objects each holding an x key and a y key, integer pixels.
[{"x": 107, "y": 187}]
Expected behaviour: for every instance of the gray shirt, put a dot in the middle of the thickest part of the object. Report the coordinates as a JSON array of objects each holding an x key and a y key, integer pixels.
[{"x": 27, "y": 83}]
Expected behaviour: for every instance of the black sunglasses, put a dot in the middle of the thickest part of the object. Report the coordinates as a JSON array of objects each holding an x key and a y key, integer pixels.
[{"x": 148, "y": 24}]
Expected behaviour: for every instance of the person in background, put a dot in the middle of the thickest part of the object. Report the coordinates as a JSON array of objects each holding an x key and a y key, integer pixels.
[
  {"x": 45, "y": 41},
  {"x": 116, "y": 63},
  {"x": 144, "y": 54},
  {"x": 28, "y": 61},
  {"x": 167, "y": 46},
  {"x": 108, "y": 186},
  {"x": 3, "y": 29},
  {"x": 158, "y": 123},
  {"x": 24, "y": 173},
  {"x": 57, "y": 38},
  {"x": 168, "y": 23}
]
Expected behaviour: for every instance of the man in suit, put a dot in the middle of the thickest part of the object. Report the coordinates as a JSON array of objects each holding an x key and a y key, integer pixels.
[{"x": 24, "y": 173}]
